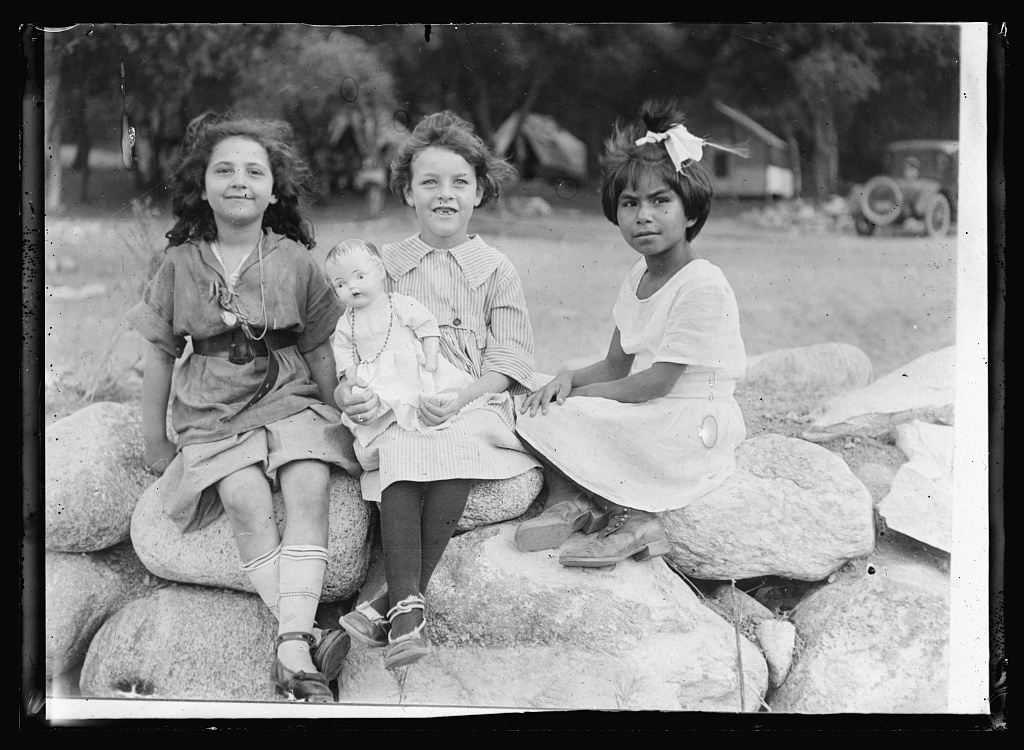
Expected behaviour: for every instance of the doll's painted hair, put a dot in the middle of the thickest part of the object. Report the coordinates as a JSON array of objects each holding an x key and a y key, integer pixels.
[
  {"x": 352, "y": 248},
  {"x": 292, "y": 178},
  {"x": 448, "y": 131},
  {"x": 625, "y": 164}
]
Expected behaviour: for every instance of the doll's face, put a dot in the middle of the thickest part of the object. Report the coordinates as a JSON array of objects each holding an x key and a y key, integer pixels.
[{"x": 358, "y": 279}]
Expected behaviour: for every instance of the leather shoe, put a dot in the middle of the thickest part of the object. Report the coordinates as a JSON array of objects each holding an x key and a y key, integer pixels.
[
  {"x": 558, "y": 522},
  {"x": 329, "y": 653},
  {"x": 310, "y": 687},
  {"x": 366, "y": 625},
  {"x": 631, "y": 533},
  {"x": 407, "y": 649}
]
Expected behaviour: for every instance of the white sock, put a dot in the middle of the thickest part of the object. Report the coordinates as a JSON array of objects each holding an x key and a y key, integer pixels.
[
  {"x": 264, "y": 573},
  {"x": 302, "y": 569}
]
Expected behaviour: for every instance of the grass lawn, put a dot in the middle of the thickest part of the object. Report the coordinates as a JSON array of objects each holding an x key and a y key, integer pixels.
[{"x": 892, "y": 296}]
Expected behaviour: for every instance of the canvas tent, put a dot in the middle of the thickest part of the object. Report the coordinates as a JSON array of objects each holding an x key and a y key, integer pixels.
[{"x": 541, "y": 145}]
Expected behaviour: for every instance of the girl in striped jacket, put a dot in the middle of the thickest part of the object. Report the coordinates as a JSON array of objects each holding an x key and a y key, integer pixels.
[{"x": 422, "y": 479}]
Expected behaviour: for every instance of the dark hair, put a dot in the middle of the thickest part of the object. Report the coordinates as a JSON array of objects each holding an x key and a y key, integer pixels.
[
  {"x": 292, "y": 178},
  {"x": 625, "y": 164},
  {"x": 450, "y": 132}
]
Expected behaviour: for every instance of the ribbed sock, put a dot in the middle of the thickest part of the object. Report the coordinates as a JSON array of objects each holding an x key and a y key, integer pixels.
[
  {"x": 302, "y": 569},
  {"x": 265, "y": 574}
]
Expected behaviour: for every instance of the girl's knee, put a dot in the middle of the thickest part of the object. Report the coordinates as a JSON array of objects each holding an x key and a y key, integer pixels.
[
  {"x": 305, "y": 482},
  {"x": 245, "y": 493}
]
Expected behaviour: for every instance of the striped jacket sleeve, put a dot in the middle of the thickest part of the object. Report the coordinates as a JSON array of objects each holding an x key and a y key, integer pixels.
[{"x": 509, "y": 348}]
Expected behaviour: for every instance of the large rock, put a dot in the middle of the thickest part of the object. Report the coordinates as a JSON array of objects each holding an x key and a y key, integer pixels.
[
  {"x": 818, "y": 370},
  {"x": 497, "y": 500},
  {"x": 516, "y": 630},
  {"x": 922, "y": 389},
  {"x": 791, "y": 509},
  {"x": 209, "y": 556},
  {"x": 777, "y": 639},
  {"x": 872, "y": 644},
  {"x": 920, "y": 501},
  {"x": 82, "y": 591},
  {"x": 94, "y": 477},
  {"x": 184, "y": 643}
]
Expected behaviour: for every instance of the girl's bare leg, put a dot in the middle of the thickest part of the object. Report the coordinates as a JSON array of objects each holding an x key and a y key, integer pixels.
[{"x": 250, "y": 509}]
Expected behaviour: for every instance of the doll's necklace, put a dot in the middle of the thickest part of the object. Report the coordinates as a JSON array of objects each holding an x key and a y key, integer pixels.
[{"x": 352, "y": 327}]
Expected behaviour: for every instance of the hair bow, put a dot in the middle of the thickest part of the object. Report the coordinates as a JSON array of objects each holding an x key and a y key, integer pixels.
[
  {"x": 684, "y": 147},
  {"x": 680, "y": 143}
]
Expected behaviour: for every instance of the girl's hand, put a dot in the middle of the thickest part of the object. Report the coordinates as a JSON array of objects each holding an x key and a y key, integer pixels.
[
  {"x": 439, "y": 408},
  {"x": 555, "y": 390},
  {"x": 356, "y": 399},
  {"x": 158, "y": 456}
]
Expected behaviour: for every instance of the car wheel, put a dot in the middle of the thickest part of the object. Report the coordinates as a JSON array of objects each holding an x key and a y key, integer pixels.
[
  {"x": 882, "y": 200},
  {"x": 937, "y": 216},
  {"x": 864, "y": 226}
]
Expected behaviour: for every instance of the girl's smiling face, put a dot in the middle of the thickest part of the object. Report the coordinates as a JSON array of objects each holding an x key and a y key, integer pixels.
[
  {"x": 239, "y": 183},
  {"x": 651, "y": 217},
  {"x": 358, "y": 279},
  {"x": 444, "y": 192}
]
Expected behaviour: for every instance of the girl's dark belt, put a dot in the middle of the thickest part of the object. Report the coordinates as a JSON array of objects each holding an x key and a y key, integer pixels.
[{"x": 239, "y": 349}]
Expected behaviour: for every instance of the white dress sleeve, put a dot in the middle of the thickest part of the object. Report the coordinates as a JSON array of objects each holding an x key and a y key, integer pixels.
[
  {"x": 414, "y": 315},
  {"x": 701, "y": 326}
]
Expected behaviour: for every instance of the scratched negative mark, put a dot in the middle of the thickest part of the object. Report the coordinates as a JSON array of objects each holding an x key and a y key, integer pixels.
[
  {"x": 349, "y": 89},
  {"x": 401, "y": 120},
  {"x": 127, "y": 141},
  {"x": 708, "y": 431}
]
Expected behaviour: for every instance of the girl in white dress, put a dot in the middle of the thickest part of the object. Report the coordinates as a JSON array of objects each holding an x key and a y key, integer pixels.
[
  {"x": 653, "y": 425},
  {"x": 388, "y": 340}
]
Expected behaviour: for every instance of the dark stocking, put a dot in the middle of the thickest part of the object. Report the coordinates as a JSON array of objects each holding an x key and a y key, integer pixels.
[
  {"x": 443, "y": 505},
  {"x": 400, "y": 519},
  {"x": 417, "y": 521}
]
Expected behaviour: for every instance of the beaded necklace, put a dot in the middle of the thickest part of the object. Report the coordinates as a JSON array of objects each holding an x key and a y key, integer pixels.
[{"x": 352, "y": 327}]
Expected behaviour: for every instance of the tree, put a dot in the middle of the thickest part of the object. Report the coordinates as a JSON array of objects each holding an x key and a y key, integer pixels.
[
  {"x": 804, "y": 79},
  {"x": 336, "y": 91},
  {"x": 841, "y": 89},
  {"x": 584, "y": 75},
  {"x": 157, "y": 75}
]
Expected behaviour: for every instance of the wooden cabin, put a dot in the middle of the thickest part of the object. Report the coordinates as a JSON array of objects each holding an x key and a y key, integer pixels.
[{"x": 766, "y": 173}]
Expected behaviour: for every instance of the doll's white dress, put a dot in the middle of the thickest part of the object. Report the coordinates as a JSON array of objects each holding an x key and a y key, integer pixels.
[{"x": 397, "y": 375}]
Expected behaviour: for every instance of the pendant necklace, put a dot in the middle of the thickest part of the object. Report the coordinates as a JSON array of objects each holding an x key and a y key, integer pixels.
[{"x": 246, "y": 323}]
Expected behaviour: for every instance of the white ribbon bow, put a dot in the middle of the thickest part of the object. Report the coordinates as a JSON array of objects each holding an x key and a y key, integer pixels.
[{"x": 680, "y": 143}]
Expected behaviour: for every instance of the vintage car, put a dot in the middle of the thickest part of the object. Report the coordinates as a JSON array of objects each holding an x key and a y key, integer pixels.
[{"x": 920, "y": 183}]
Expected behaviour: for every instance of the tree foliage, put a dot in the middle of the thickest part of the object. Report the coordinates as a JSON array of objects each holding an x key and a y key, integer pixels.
[{"x": 839, "y": 92}]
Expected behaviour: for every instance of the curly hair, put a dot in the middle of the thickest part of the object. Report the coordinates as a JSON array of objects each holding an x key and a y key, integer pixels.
[
  {"x": 293, "y": 184},
  {"x": 625, "y": 164},
  {"x": 448, "y": 131}
]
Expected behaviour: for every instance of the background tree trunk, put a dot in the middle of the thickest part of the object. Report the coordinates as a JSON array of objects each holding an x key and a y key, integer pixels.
[{"x": 826, "y": 151}]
